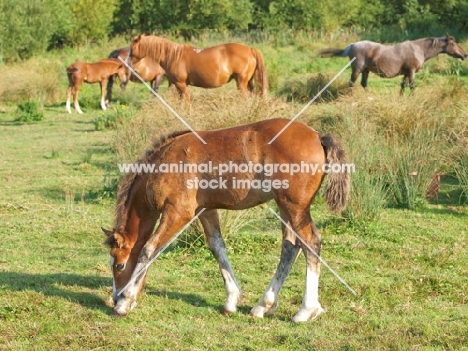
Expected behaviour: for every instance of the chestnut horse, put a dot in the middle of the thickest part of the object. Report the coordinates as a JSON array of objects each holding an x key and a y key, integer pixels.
[
  {"x": 96, "y": 72},
  {"x": 206, "y": 68},
  {"x": 149, "y": 70},
  {"x": 252, "y": 179},
  {"x": 405, "y": 58}
]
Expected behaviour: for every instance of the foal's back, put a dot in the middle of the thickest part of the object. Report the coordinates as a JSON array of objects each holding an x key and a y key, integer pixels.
[{"x": 93, "y": 72}]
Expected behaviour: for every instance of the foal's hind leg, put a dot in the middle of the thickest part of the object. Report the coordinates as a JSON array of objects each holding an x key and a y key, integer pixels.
[
  {"x": 268, "y": 304},
  {"x": 210, "y": 222},
  {"x": 69, "y": 92},
  {"x": 311, "y": 307},
  {"x": 76, "y": 89}
]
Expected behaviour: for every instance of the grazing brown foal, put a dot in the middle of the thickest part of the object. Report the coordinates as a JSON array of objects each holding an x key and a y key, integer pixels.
[
  {"x": 95, "y": 72},
  {"x": 247, "y": 170}
]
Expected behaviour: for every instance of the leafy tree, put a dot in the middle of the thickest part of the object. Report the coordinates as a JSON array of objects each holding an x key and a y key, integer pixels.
[
  {"x": 92, "y": 19},
  {"x": 25, "y": 28},
  {"x": 220, "y": 14}
]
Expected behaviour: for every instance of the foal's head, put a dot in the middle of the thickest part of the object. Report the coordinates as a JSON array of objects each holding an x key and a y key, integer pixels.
[
  {"x": 124, "y": 75},
  {"x": 121, "y": 264},
  {"x": 453, "y": 49}
]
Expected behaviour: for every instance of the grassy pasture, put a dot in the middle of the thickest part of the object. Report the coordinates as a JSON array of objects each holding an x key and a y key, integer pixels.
[{"x": 408, "y": 266}]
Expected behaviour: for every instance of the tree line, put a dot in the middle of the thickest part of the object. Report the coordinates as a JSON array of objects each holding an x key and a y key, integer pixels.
[{"x": 30, "y": 27}]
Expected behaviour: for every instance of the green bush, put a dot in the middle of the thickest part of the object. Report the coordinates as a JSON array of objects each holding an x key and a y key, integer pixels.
[
  {"x": 113, "y": 117},
  {"x": 29, "y": 111}
]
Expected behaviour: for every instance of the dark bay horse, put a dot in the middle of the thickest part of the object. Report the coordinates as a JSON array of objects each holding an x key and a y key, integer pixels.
[
  {"x": 405, "y": 58},
  {"x": 148, "y": 69},
  {"x": 95, "y": 72},
  {"x": 174, "y": 200},
  {"x": 206, "y": 68}
]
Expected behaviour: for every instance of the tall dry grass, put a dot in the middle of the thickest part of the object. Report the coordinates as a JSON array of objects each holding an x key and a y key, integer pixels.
[{"x": 37, "y": 79}]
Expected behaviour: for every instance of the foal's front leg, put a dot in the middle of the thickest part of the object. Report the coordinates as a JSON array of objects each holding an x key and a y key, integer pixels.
[
  {"x": 210, "y": 222},
  {"x": 103, "y": 84}
]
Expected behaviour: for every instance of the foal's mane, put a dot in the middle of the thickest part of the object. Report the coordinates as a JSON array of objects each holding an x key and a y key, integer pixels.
[
  {"x": 161, "y": 49},
  {"x": 124, "y": 192}
]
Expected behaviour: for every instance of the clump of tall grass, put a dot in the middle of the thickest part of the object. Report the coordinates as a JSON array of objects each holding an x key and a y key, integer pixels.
[
  {"x": 301, "y": 89},
  {"x": 113, "y": 117},
  {"x": 36, "y": 79},
  {"x": 400, "y": 144},
  {"x": 29, "y": 111},
  {"x": 366, "y": 150}
]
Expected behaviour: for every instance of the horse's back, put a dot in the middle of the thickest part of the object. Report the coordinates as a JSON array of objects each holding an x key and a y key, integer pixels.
[
  {"x": 122, "y": 52},
  {"x": 240, "y": 150},
  {"x": 251, "y": 142}
]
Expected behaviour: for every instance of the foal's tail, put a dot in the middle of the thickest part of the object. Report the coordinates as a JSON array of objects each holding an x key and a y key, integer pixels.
[
  {"x": 260, "y": 72},
  {"x": 336, "y": 194},
  {"x": 70, "y": 70},
  {"x": 336, "y": 52}
]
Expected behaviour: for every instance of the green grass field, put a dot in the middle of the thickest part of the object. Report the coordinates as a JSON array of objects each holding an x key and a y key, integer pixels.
[{"x": 408, "y": 267}]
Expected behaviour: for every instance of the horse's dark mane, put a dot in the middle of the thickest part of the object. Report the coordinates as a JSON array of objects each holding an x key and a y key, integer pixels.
[{"x": 125, "y": 186}]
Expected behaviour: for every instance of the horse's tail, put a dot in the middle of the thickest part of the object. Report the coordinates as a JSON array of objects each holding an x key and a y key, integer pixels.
[
  {"x": 336, "y": 194},
  {"x": 336, "y": 52},
  {"x": 260, "y": 72},
  {"x": 72, "y": 69}
]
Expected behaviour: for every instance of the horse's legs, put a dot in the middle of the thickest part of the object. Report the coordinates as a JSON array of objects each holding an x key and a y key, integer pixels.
[
  {"x": 76, "y": 89},
  {"x": 103, "y": 84},
  {"x": 183, "y": 90},
  {"x": 170, "y": 223},
  {"x": 404, "y": 84},
  {"x": 311, "y": 307},
  {"x": 301, "y": 222},
  {"x": 268, "y": 304},
  {"x": 242, "y": 84},
  {"x": 210, "y": 222},
  {"x": 250, "y": 85},
  {"x": 354, "y": 77},
  {"x": 157, "y": 82},
  {"x": 69, "y": 92},
  {"x": 365, "y": 75},
  {"x": 110, "y": 84},
  {"x": 411, "y": 82}
]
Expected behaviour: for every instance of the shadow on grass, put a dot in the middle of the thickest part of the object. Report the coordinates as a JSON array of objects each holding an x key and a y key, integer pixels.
[
  {"x": 188, "y": 298},
  {"x": 57, "y": 285}
]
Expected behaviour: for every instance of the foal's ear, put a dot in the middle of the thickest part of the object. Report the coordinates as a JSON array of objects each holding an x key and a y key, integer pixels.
[
  {"x": 107, "y": 232},
  {"x": 114, "y": 240}
]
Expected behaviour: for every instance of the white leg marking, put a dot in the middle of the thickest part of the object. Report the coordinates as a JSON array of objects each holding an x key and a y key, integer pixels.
[
  {"x": 231, "y": 286},
  {"x": 67, "y": 106},
  {"x": 310, "y": 307},
  {"x": 103, "y": 104},
  {"x": 268, "y": 304},
  {"x": 77, "y": 107}
]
